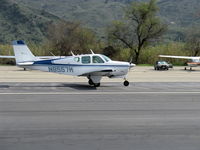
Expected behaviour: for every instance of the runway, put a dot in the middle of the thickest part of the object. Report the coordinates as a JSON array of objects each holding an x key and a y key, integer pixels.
[{"x": 75, "y": 116}]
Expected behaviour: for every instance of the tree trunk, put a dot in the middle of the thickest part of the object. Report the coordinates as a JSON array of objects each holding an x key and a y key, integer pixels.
[
  {"x": 196, "y": 52},
  {"x": 137, "y": 51},
  {"x": 136, "y": 57}
]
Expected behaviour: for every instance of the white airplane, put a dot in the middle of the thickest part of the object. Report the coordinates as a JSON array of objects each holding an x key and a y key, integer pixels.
[
  {"x": 93, "y": 66},
  {"x": 194, "y": 61}
]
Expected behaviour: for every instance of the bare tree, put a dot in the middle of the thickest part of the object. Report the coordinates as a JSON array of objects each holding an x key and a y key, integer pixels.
[
  {"x": 193, "y": 41},
  {"x": 141, "y": 27}
]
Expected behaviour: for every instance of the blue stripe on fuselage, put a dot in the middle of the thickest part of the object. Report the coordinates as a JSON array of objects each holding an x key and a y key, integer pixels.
[
  {"x": 80, "y": 65},
  {"x": 43, "y": 62},
  {"x": 49, "y": 62}
]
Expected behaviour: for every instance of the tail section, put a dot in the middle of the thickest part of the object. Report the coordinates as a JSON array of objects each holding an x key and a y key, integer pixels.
[{"x": 22, "y": 52}]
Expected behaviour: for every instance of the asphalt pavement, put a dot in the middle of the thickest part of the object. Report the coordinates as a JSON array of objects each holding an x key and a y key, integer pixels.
[{"x": 75, "y": 116}]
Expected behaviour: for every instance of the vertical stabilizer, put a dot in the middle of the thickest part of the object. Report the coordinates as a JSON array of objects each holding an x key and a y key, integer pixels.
[{"x": 22, "y": 52}]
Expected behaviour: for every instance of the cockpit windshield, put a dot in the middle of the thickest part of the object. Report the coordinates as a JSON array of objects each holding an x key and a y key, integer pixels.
[{"x": 106, "y": 58}]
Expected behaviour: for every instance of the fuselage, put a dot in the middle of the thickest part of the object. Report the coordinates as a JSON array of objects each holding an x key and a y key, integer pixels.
[
  {"x": 82, "y": 65},
  {"x": 194, "y": 63}
]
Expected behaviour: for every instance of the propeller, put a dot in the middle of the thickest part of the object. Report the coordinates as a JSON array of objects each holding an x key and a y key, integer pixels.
[
  {"x": 131, "y": 64},
  {"x": 131, "y": 60}
]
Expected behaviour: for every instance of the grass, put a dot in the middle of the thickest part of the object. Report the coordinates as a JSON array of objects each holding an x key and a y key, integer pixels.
[
  {"x": 144, "y": 65},
  {"x": 147, "y": 58}
]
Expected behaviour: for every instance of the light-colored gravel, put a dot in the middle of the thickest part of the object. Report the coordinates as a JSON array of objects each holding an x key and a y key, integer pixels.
[{"x": 137, "y": 74}]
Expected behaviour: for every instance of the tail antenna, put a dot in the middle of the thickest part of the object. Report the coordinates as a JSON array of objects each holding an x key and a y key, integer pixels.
[
  {"x": 72, "y": 53},
  {"x": 91, "y": 51},
  {"x": 52, "y": 53}
]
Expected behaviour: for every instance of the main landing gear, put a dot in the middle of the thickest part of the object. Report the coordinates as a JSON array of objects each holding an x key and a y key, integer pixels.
[
  {"x": 93, "y": 84},
  {"x": 90, "y": 82},
  {"x": 190, "y": 68}
]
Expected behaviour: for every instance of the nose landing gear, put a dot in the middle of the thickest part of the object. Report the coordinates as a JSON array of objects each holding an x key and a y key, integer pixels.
[{"x": 126, "y": 83}]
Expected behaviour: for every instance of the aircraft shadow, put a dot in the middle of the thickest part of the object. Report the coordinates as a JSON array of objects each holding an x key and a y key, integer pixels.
[
  {"x": 77, "y": 86},
  {"x": 188, "y": 70},
  {"x": 4, "y": 86}
]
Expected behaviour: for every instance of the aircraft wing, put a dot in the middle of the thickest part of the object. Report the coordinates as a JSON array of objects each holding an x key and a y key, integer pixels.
[
  {"x": 96, "y": 72},
  {"x": 49, "y": 57},
  {"x": 179, "y": 57},
  {"x": 4, "y": 56}
]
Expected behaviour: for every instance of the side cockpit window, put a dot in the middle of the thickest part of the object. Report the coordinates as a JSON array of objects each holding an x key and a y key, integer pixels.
[
  {"x": 85, "y": 59},
  {"x": 97, "y": 59},
  {"x": 76, "y": 59}
]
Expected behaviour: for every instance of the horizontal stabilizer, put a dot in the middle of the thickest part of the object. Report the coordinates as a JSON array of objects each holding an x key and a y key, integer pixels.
[
  {"x": 25, "y": 63},
  {"x": 4, "y": 56}
]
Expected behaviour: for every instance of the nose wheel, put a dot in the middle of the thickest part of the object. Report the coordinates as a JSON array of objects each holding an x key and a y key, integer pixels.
[{"x": 126, "y": 83}]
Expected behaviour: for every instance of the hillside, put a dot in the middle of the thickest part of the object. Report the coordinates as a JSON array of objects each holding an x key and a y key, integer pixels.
[
  {"x": 95, "y": 14},
  {"x": 20, "y": 22},
  {"x": 98, "y": 13},
  {"x": 181, "y": 12}
]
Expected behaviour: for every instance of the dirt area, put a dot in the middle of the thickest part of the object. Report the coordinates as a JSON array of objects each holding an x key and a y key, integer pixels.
[{"x": 137, "y": 74}]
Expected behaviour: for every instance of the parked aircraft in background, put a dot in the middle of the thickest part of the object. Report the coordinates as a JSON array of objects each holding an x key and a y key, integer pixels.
[
  {"x": 93, "y": 66},
  {"x": 193, "y": 61}
]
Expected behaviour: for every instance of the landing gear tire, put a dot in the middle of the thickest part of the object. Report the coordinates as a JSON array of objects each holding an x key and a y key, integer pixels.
[
  {"x": 90, "y": 82},
  {"x": 97, "y": 84},
  {"x": 126, "y": 83}
]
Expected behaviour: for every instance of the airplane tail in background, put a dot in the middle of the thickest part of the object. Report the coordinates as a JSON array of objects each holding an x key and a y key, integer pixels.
[{"x": 22, "y": 52}]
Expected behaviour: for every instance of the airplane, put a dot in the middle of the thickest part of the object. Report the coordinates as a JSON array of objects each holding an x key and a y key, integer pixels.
[
  {"x": 93, "y": 66},
  {"x": 194, "y": 61}
]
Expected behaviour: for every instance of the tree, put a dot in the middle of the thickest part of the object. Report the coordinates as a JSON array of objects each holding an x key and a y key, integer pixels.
[
  {"x": 65, "y": 37},
  {"x": 109, "y": 51},
  {"x": 140, "y": 27},
  {"x": 193, "y": 41}
]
